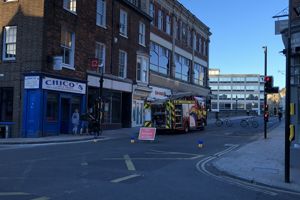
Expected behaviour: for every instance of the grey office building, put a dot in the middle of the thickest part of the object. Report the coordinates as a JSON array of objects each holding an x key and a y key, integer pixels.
[{"x": 236, "y": 91}]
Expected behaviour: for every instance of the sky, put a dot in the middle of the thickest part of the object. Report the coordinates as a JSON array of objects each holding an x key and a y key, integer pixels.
[{"x": 240, "y": 28}]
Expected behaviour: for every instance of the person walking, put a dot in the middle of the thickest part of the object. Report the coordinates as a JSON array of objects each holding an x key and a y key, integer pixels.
[{"x": 75, "y": 121}]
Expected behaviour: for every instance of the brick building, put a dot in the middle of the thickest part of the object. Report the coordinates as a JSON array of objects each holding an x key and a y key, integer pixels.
[
  {"x": 53, "y": 53},
  {"x": 179, "y": 50},
  {"x": 47, "y": 48}
]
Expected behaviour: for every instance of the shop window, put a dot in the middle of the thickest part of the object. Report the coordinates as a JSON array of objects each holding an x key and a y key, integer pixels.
[
  {"x": 52, "y": 107},
  {"x": 116, "y": 108},
  {"x": 6, "y": 104}
]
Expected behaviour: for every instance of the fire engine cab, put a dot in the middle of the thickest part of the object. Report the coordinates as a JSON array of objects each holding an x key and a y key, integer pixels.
[{"x": 178, "y": 112}]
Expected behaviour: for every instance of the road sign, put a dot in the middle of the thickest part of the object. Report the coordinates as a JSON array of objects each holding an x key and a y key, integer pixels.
[{"x": 147, "y": 134}]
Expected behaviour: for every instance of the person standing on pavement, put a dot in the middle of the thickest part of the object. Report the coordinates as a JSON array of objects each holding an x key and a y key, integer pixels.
[{"x": 75, "y": 121}]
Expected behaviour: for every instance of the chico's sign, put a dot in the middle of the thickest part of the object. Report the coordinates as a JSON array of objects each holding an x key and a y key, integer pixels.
[{"x": 63, "y": 85}]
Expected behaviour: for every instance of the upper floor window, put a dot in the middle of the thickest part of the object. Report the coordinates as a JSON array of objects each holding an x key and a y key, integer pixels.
[
  {"x": 199, "y": 74},
  {"x": 159, "y": 60},
  {"x": 142, "y": 69},
  {"x": 182, "y": 67},
  {"x": 70, "y": 5},
  {"x": 142, "y": 34},
  {"x": 204, "y": 49},
  {"x": 122, "y": 64},
  {"x": 152, "y": 12},
  {"x": 194, "y": 41},
  {"x": 100, "y": 54},
  {"x": 101, "y": 13},
  {"x": 9, "y": 0},
  {"x": 9, "y": 43},
  {"x": 160, "y": 20},
  {"x": 123, "y": 23},
  {"x": 168, "y": 25},
  {"x": 200, "y": 45},
  {"x": 67, "y": 48}
]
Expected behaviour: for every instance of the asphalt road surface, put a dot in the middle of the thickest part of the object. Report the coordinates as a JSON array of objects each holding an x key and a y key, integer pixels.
[{"x": 166, "y": 169}]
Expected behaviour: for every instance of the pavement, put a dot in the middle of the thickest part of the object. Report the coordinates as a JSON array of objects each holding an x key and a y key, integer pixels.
[
  {"x": 106, "y": 134},
  {"x": 262, "y": 162}
]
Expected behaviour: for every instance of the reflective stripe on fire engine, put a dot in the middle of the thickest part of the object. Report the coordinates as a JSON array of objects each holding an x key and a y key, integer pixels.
[{"x": 147, "y": 124}]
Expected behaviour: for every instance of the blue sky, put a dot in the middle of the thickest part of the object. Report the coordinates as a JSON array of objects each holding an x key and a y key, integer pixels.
[{"x": 239, "y": 30}]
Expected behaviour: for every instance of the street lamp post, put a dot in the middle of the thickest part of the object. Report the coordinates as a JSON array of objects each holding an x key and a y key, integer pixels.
[
  {"x": 236, "y": 101},
  {"x": 287, "y": 100},
  {"x": 265, "y": 94}
]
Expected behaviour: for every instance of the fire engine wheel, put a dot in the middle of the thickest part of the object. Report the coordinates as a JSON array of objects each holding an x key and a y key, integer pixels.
[{"x": 186, "y": 128}]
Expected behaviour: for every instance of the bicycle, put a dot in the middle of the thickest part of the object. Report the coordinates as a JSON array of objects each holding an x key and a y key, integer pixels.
[
  {"x": 249, "y": 122},
  {"x": 227, "y": 122}
]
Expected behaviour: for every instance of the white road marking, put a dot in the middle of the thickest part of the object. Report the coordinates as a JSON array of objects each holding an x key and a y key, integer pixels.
[
  {"x": 171, "y": 152},
  {"x": 41, "y": 198},
  {"x": 258, "y": 188},
  {"x": 145, "y": 158},
  {"x": 118, "y": 180},
  {"x": 129, "y": 163},
  {"x": 13, "y": 194}
]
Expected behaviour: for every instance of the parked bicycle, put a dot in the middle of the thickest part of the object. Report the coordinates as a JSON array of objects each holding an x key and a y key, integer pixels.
[
  {"x": 226, "y": 121},
  {"x": 249, "y": 122}
]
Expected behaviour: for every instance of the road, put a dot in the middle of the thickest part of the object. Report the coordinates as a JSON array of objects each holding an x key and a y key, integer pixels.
[{"x": 167, "y": 168}]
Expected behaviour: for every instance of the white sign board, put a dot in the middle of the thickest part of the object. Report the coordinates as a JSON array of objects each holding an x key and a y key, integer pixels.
[
  {"x": 159, "y": 93},
  {"x": 64, "y": 85},
  {"x": 32, "y": 82}
]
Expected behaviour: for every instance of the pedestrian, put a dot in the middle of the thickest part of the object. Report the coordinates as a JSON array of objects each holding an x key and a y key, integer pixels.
[
  {"x": 279, "y": 115},
  {"x": 75, "y": 121}
]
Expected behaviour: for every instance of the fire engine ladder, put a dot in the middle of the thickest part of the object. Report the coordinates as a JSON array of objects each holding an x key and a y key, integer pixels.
[{"x": 178, "y": 116}]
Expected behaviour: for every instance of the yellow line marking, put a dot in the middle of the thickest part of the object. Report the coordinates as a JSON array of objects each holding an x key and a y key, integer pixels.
[
  {"x": 41, "y": 198},
  {"x": 124, "y": 178},
  {"x": 13, "y": 194},
  {"x": 145, "y": 158},
  {"x": 129, "y": 164}
]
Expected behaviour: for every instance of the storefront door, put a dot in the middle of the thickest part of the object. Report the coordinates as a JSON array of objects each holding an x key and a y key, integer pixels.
[
  {"x": 65, "y": 116},
  {"x": 137, "y": 113}
]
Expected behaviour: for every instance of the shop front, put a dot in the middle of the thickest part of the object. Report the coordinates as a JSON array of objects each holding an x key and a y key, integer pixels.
[
  {"x": 139, "y": 95},
  {"x": 116, "y": 98},
  {"x": 49, "y": 103}
]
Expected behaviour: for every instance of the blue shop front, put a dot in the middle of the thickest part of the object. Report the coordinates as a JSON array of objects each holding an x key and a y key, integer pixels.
[{"x": 49, "y": 103}]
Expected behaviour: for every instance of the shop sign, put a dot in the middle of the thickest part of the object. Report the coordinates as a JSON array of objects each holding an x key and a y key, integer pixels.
[
  {"x": 147, "y": 134},
  {"x": 32, "y": 82},
  {"x": 160, "y": 93},
  {"x": 64, "y": 85}
]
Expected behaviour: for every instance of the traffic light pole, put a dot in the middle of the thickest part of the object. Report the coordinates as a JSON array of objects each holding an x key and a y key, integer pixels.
[
  {"x": 288, "y": 99},
  {"x": 265, "y": 94}
]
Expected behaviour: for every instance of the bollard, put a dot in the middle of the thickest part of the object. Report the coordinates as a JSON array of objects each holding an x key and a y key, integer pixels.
[
  {"x": 200, "y": 143},
  {"x": 132, "y": 140}
]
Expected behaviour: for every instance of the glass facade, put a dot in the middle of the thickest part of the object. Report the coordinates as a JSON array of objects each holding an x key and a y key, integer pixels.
[{"x": 159, "y": 60}]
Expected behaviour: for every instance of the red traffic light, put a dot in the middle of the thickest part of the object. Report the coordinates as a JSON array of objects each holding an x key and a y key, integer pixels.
[{"x": 268, "y": 78}]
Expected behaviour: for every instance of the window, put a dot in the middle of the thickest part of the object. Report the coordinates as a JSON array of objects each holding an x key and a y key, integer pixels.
[
  {"x": 152, "y": 13},
  {"x": 100, "y": 54},
  {"x": 142, "y": 34},
  {"x": 238, "y": 79},
  {"x": 52, "y": 107},
  {"x": 159, "y": 60},
  {"x": 224, "y": 79},
  {"x": 199, "y": 74},
  {"x": 67, "y": 47},
  {"x": 160, "y": 19},
  {"x": 168, "y": 25},
  {"x": 200, "y": 45},
  {"x": 9, "y": 0},
  {"x": 142, "y": 69},
  {"x": 101, "y": 13},
  {"x": 9, "y": 43},
  {"x": 6, "y": 103},
  {"x": 182, "y": 67},
  {"x": 213, "y": 79},
  {"x": 194, "y": 41},
  {"x": 70, "y": 5},
  {"x": 122, "y": 64},
  {"x": 252, "y": 79},
  {"x": 123, "y": 23},
  {"x": 238, "y": 87},
  {"x": 204, "y": 48}
]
